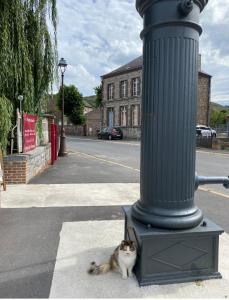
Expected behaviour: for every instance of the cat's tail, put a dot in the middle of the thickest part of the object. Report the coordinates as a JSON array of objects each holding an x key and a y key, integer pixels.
[{"x": 99, "y": 269}]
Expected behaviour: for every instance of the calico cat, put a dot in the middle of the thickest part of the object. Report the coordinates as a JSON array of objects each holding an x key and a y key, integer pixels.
[{"x": 123, "y": 259}]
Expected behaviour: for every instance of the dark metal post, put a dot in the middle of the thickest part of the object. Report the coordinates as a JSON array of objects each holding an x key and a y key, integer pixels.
[
  {"x": 62, "y": 151},
  {"x": 174, "y": 243},
  {"x": 170, "y": 69}
]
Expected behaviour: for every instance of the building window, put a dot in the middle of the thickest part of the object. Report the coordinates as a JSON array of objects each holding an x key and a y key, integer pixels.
[
  {"x": 123, "y": 116},
  {"x": 110, "y": 117},
  {"x": 110, "y": 91},
  {"x": 136, "y": 86},
  {"x": 123, "y": 89},
  {"x": 135, "y": 115}
]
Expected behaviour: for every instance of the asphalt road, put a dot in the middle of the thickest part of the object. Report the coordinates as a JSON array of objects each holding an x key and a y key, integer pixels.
[
  {"x": 119, "y": 161},
  {"x": 29, "y": 237}
]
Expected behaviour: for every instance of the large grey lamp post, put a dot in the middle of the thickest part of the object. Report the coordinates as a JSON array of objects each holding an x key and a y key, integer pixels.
[
  {"x": 174, "y": 243},
  {"x": 62, "y": 66}
]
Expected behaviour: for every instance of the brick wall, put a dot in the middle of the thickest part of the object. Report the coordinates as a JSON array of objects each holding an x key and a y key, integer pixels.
[
  {"x": 20, "y": 168},
  {"x": 15, "y": 171}
]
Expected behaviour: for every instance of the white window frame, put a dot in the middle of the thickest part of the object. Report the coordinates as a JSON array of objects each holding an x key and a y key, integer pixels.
[
  {"x": 110, "y": 91},
  {"x": 123, "y": 116},
  {"x": 123, "y": 89},
  {"x": 135, "y": 114},
  {"x": 136, "y": 87}
]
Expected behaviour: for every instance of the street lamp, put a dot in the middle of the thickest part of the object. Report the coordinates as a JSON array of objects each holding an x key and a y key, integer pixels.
[
  {"x": 62, "y": 66},
  {"x": 20, "y": 98}
]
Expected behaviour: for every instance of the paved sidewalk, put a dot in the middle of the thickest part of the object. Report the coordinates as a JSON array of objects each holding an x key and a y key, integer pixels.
[
  {"x": 101, "y": 194},
  {"x": 83, "y": 242},
  {"x": 34, "y": 219}
]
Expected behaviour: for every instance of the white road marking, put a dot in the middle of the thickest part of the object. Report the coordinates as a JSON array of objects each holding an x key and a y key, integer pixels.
[
  {"x": 214, "y": 192},
  {"x": 104, "y": 141},
  {"x": 214, "y": 153},
  {"x": 137, "y": 170},
  {"x": 106, "y": 160}
]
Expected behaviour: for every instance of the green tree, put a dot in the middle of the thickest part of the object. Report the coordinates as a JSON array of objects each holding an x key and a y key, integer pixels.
[
  {"x": 98, "y": 93},
  {"x": 218, "y": 117},
  {"x": 6, "y": 110},
  {"x": 28, "y": 52},
  {"x": 73, "y": 104}
]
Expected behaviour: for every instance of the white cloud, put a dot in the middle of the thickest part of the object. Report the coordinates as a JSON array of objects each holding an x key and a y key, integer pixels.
[{"x": 97, "y": 36}]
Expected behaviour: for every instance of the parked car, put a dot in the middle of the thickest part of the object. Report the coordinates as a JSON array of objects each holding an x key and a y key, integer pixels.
[
  {"x": 110, "y": 133},
  {"x": 206, "y": 131}
]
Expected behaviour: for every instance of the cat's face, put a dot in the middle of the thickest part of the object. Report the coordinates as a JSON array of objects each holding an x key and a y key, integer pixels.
[{"x": 127, "y": 247}]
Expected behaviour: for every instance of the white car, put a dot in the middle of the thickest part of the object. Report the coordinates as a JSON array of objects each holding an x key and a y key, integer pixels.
[{"x": 202, "y": 130}]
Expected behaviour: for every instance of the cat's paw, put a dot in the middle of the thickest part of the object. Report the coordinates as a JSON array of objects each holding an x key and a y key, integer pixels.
[
  {"x": 131, "y": 274},
  {"x": 124, "y": 277}
]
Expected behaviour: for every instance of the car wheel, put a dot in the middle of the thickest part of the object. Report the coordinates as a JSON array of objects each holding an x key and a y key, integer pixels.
[
  {"x": 109, "y": 137},
  {"x": 214, "y": 135},
  {"x": 99, "y": 137}
]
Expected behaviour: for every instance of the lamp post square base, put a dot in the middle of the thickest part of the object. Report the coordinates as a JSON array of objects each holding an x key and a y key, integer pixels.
[{"x": 174, "y": 256}]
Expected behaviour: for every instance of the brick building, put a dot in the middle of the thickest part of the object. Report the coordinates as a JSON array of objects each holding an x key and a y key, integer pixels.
[{"x": 122, "y": 97}]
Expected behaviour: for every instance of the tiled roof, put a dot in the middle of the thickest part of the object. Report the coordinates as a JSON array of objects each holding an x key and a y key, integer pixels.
[{"x": 131, "y": 66}]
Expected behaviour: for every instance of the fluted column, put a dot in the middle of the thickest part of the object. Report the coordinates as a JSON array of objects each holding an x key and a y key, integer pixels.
[{"x": 170, "y": 72}]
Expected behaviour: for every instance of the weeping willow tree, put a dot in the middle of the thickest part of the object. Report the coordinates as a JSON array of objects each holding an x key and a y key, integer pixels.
[{"x": 28, "y": 53}]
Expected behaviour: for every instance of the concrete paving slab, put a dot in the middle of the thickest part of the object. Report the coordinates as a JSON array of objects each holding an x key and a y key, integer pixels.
[
  {"x": 83, "y": 242},
  {"x": 59, "y": 195}
]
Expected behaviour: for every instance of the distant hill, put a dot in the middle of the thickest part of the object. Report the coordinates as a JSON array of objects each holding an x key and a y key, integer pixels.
[
  {"x": 90, "y": 101},
  {"x": 217, "y": 107}
]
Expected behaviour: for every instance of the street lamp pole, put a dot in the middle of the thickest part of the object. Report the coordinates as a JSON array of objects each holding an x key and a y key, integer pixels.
[
  {"x": 62, "y": 151},
  {"x": 20, "y": 98}
]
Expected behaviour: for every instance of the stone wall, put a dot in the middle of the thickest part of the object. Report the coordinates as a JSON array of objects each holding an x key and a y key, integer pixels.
[
  {"x": 117, "y": 101},
  {"x": 131, "y": 132},
  {"x": 204, "y": 85},
  {"x": 93, "y": 122},
  {"x": 220, "y": 144},
  {"x": 20, "y": 168},
  {"x": 74, "y": 130},
  {"x": 203, "y": 99}
]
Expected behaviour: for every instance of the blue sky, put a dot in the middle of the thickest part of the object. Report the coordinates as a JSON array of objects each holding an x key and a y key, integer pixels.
[{"x": 97, "y": 36}]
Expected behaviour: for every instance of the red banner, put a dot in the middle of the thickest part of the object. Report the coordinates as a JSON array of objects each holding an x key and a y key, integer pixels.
[{"x": 29, "y": 132}]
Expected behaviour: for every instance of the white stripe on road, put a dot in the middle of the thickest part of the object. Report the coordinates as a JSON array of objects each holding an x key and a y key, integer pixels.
[
  {"x": 137, "y": 170},
  {"x": 214, "y": 192},
  {"x": 105, "y": 160},
  {"x": 214, "y": 153},
  {"x": 104, "y": 141}
]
